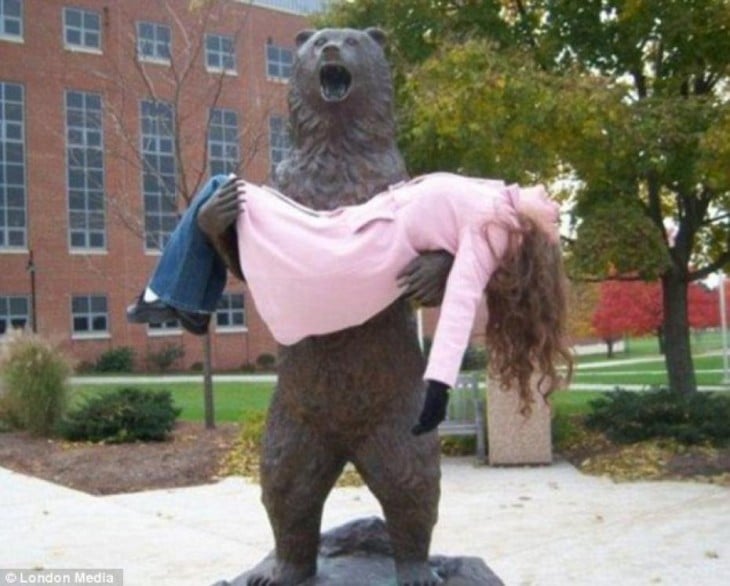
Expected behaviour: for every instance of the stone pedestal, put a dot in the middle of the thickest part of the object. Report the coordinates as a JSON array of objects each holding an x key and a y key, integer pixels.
[
  {"x": 360, "y": 554},
  {"x": 513, "y": 438}
]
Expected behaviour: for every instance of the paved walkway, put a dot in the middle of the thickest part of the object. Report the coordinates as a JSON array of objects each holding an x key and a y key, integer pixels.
[{"x": 540, "y": 526}]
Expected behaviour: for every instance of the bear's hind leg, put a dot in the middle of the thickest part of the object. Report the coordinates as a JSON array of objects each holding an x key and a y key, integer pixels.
[
  {"x": 404, "y": 473},
  {"x": 298, "y": 471}
]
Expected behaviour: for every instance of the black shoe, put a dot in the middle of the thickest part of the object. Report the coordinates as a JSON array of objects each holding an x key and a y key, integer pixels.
[
  {"x": 145, "y": 312},
  {"x": 195, "y": 323}
]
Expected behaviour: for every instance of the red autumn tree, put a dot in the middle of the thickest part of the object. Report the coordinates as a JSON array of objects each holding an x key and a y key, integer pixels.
[
  {"x": 703, "y": 306},
  {"x": 635, "y": 308},
  {"x": 626, "y": 307}
]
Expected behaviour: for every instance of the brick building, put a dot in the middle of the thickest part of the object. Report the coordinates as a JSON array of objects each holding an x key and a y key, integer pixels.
[{"x": 112, "y": 116}]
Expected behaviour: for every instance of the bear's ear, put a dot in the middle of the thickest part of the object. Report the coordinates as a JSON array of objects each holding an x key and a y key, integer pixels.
[
  {"x": 378, "y": 35},
  {"x": 303, "y": 36}
]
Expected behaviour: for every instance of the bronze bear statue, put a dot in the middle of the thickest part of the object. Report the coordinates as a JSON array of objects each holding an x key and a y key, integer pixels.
[{"x": 354, "y": 395}]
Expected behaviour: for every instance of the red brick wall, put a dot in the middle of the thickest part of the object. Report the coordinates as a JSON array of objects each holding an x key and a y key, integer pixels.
[{"x": 45, "y": 69}]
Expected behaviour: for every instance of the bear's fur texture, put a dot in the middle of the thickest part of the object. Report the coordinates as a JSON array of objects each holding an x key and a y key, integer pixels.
[{"x": 352, "y": 396}]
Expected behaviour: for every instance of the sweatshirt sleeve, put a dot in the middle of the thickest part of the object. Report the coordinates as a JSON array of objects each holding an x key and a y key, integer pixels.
[{"x": 474, "y": 263}]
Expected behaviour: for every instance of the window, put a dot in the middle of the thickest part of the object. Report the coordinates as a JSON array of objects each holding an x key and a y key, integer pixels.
[
  {"x": 279, "y": 141},
  {"x": 11, "y": 19},
  {"x": 223, "y": 153},
  {"x": 230, "y": 312},
  {"x": 278, "y": 62},
  {"x": 13, "y": 312},
  {"x": 220, "y": 54},
  {"x": 168, "y": 327},
  {"x": 89, "y": 314},
  {"x": 81, "y": 29},
  {"x": 153, "y": 42},
  {"x": 85, "y": 170},
  {"x": 13, "y": 215},
  {"x": 158, "y": 173}
]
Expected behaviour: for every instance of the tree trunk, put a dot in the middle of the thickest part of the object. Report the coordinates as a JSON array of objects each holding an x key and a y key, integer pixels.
[
  {"x": 660, "y": 338},
  {"x": 678, "y": 354},
  {"x": 609, "y": 348},
  {"x": 208, "y": 383}
]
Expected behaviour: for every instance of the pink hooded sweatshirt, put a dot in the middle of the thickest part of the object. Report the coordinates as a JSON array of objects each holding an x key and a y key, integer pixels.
[{"x": 313, "y": 273}]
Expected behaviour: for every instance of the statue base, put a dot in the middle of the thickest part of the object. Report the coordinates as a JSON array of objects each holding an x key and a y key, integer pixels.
[{"x": 359, "y": 553}]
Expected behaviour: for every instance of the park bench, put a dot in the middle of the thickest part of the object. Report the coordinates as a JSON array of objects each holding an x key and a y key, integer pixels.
[{"x": 466, "y": 413}]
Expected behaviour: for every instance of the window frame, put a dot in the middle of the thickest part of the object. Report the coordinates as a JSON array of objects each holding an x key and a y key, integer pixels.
[
  {"x": 90, "y": 314},
  {"x": 224, "y": 143},
  {"x": 87, "y": 192},
  {"x": 5, "y": 36},
  {"x": 278, "y": 63},
  {"x": 155, "y": 42},
  {"x": 82, "y": 46},
  {"x": 278, "y": 152},
  {"x": 225, "y": 307},
  {"x": 168, "y": 328},
  {"x": 221, "y": 54},
  {"x": 7, "y": 316},
  {"x": 152, "y": 174},
  {"x": 19, "y": 189}
]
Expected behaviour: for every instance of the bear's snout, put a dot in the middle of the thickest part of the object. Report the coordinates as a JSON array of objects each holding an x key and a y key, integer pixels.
[{"x": 330, "y": 52}]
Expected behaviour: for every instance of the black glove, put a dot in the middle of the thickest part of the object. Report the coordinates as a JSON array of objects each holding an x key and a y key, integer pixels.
[{"x": 434, "y": 408}]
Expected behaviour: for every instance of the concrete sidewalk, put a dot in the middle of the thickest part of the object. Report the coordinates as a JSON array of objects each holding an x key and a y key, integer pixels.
[{"x": 533, "y": 526}]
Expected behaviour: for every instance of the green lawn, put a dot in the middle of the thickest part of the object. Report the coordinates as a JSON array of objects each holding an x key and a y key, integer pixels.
[
  {"x": 232, "y": 399},
  {"x": 651, "y": 371},
  {"x": 565, "y": 406},
  {"x": 647, "y": 346}
]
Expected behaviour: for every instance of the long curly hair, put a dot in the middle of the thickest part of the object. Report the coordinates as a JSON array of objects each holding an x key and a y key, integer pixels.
[{"x": 527, "y": 309}]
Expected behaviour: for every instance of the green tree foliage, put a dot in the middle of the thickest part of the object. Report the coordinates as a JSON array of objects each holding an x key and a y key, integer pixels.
[{"x": 628, "y": 98}]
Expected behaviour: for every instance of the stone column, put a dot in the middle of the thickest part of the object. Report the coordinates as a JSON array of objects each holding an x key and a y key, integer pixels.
[{"x": 513, "y": 438}]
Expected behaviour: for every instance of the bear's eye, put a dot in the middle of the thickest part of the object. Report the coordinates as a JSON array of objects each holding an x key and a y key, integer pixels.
[
  {"x": 320, "y": 41},
  {"x": 352, "y": 41}
]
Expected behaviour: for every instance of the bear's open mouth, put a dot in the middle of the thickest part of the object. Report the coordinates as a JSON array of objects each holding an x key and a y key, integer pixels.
[{"x": 334, "y": 80}]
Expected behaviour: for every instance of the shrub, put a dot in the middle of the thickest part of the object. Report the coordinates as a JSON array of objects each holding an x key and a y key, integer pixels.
[
  {"x": 628, "y": 417},
  {"x": 34, "y": 373},
  {"x": 116, "y": 360},
  {"x": 165, "y": 357},
  {"x": 85, "y": 367},
  {"x": 123, "y": 415},
  {"x": 458, "y": 445},
  {"x": 243, "y": 459},
  {"x": 266, "y": 362},
  {"x": 248, "y": 367},
  {"x": 475, "y": 357},
  {"x": 197, "y": 366}
]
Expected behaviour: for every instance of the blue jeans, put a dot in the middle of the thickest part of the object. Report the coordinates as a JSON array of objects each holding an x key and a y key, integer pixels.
[{"x": 190, "y": 274}]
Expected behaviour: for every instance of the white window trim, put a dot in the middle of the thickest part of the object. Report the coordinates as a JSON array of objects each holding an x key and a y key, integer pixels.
[
  {"x": 80, "y": 251},
  {"x": 105, "y": 335},
  {"x": 163, "y": 333},
  {"x": 224, "y": 71},
  {"x": 14, "y": 250},
  {"x": 82, "y": 49},
  {"x": 153, "y": 60},
  {"x": 12, "y": 38},
  {"x": 231, "y": 329},
  {"x": 278, "y": 79}
]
